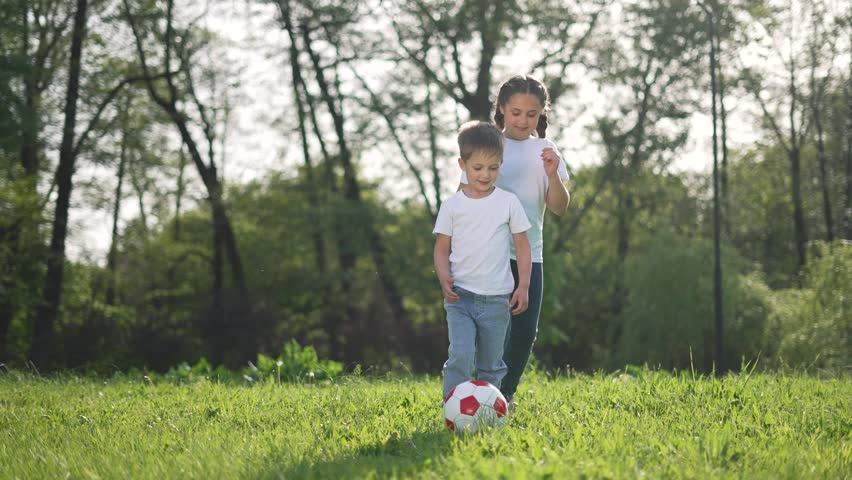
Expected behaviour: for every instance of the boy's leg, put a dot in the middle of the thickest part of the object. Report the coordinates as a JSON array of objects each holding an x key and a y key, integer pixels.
[
  {"x": 492, "y": 319},
  {"x": 522, "y": 332},
  {"x": 462, "y": 336}
]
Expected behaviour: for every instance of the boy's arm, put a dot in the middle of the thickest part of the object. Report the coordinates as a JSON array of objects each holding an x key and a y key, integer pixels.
[
  {"x": 521, "y": 298},
  {"x": 441, "y": 257}
]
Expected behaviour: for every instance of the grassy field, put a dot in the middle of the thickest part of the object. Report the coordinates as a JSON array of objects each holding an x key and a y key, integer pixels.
[{"x": 648, "y": 424}]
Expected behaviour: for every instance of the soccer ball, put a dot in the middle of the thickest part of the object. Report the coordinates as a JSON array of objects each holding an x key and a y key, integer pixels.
[{"x": 474, "y": 405}]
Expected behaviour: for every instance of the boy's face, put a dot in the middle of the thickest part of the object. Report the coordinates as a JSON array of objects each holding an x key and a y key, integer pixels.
[
  {"x": 520, "y": 115},
  {"x": 481, "y": 168}
]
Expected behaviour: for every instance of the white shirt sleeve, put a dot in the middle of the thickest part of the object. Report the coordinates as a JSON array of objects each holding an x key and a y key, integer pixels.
[
  {"x": 444, "y": 222},
  {"x": 518, "y": 221}
]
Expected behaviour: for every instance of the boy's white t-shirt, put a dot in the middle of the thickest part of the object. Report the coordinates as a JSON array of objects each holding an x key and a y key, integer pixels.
[
  {"x": 481, "y": 231},
  {"x": 522, "y": 173}
]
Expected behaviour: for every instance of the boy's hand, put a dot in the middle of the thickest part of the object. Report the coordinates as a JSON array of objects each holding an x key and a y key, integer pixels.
[
  {"x": 551, "y": 161},
  {"x": 520, "y": 300},
  {"x": 447, "y": 287}
]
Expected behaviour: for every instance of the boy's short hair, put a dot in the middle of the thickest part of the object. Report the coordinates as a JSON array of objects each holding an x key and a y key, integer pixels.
[{"x": 476, "y": 136}]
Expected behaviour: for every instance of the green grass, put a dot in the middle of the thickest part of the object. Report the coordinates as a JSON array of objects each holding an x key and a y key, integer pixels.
[{"x": 649, "y": 424}]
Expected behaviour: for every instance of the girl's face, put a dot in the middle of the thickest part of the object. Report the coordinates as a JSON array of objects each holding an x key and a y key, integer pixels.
[
  {"x": 520, "y": 115},
  {"x": 481, "y": 169}
]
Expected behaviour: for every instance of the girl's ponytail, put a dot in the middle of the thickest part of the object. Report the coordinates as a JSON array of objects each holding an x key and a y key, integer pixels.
[
  {"x": 499, "y": 119},
  {"x": 541, "y": 128}
]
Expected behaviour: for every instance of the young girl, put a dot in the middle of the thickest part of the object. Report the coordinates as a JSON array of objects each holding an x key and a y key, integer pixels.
[{"x": 533, "y": 170}]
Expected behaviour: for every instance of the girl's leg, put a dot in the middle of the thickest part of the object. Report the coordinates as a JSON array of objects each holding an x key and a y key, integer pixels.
[
  {"x": 462, "y": 334},
  {"x": 522, "y": 332},
  {"x": 492, "y": 319}
]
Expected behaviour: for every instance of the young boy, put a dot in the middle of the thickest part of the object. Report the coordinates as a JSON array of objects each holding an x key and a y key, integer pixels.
[{"x": 473, "y": 234}]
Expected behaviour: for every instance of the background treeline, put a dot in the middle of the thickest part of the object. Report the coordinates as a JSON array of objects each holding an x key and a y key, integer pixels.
[{"x": 126, "y": 107}]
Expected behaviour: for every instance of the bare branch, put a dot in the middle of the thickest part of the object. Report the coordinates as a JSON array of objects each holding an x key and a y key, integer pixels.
[
  {"x": 377, "y": 106},
  {"x": 105, "y": 102}
]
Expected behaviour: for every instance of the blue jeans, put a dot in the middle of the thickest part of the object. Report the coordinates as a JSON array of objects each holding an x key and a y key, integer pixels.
[
  {"x": 522, "y": 332},
  {"x": 477, "y": 329}
]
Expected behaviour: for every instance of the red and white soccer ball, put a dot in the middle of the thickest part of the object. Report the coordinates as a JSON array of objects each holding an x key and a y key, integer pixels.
[{"x": 474, "y": 405}]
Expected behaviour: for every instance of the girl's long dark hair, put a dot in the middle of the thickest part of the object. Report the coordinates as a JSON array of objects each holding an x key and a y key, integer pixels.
[{"x": 523, "y": 84}]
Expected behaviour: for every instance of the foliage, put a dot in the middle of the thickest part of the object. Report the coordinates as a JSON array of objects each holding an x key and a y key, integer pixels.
[
  {"x": 201, "y": 371},
  {"x": 293, "y": 365},
  {"x": 313, "y": 272},
  {"x": 296, "y": 364},
  {"x": 642, "y": 424},
  {"x": 812, "y": 327},
  {"x": 760, "y": 211},
  {"x": 669, "y": 320},
  {"x": 580, "y": 264},
  {"x": 22, "y": 253}
]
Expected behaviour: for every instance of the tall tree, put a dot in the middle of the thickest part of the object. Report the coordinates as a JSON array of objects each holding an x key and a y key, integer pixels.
[
  {"x": 33, "y": 47},
  {"x": 793, "y": 107},
  {"x": 847, "y": 95},
  {"x": 172, "y": 101},
  {"x": 112, "y": 255},
  {"x": 710, "y": 11},
  {"x": 821, "y": 51},
  {"x": 653, "y": 60},
  {"x": 41, "y": 347}
]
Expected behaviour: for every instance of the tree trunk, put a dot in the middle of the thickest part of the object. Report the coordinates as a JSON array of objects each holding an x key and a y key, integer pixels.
[
  {"x": 179, "y": 194},
  {"x": 311, "y": 187},
  {"x": 352, "y": 192},
  {"x": 338, "y": 306},
  {"x": 42, "y": 341},
  {"x": 140, "y": 196},
  {"x": 433, "y": 150},
  {"x": 339, "y": 288},
  {"x": 800, "y": 232},
  {"x": 723, "y": 116},
  {"x": 847, "y": 210},
  {"x": 222, "y": 224},
  {"x": 619, "y": 293},
  {"x": 825, "y": 182},
  {"x": 214, "y": 197},
  {"x": 798, "y": 211},
  {"x": 625, "y": 212},
  {"x": 218, "y": 332},
  {"x": 718, "y": 318},
  {"x": 116, "y": 208}
]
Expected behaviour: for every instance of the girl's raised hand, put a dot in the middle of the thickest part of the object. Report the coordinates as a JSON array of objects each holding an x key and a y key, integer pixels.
[{"x": 551, "y": 161}]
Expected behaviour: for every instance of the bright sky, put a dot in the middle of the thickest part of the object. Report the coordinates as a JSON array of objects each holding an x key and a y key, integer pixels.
[{"x": 261, "y": 132}]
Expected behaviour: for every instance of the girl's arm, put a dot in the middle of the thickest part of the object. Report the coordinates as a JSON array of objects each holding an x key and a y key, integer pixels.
[
  {"x": 557, "y": 196},
  {"x": 441, "y": 257},
  {"x": 521, "y": 298}
]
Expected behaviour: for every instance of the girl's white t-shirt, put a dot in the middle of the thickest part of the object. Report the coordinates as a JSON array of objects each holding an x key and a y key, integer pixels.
[
  {"x": 481, "y": 231},
  {"x": 522, "y": 173}
]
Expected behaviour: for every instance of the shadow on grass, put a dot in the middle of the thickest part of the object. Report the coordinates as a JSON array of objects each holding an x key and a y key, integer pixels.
[{"x": 392, "y": 458}]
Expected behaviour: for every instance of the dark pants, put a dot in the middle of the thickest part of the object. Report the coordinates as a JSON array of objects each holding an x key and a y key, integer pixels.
[{"x": 522, "y": 331}]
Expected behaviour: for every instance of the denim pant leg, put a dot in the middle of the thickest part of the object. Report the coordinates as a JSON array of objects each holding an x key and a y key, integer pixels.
[
  {"x": 492, "y": 320},
  {"x": 462, "y": 333},
  {"x": 522, "y": 332}
]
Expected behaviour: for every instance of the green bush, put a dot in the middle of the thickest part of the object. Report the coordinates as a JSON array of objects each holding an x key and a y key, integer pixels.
[
  {"x": 812, "y": 326},
  {"x": 295, "y": 364},
  {"x": 202, "y": 370},
  {"x": 669, "y": 317}
]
